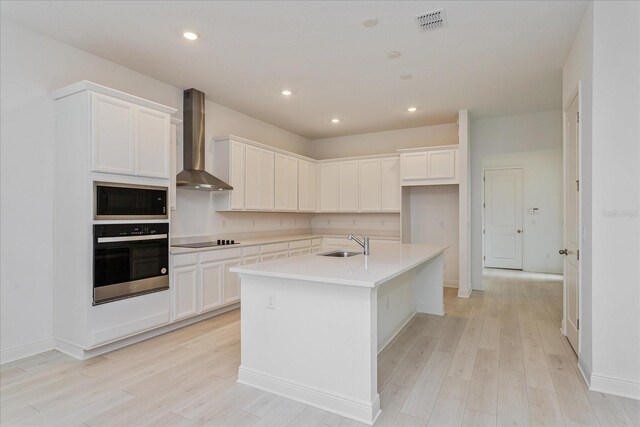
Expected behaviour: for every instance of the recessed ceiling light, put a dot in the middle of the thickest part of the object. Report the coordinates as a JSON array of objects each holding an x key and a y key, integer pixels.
[
  {"x": 371, "y": 22},
  {"x": 394, "y": 54},
  {"x": 286, "y": 92},
  {"x": 190, "y": 35},
  {"x": 411, "y": 109},
  {"x": 406, "y": 76},
  {"x": 335, "y": 120}
]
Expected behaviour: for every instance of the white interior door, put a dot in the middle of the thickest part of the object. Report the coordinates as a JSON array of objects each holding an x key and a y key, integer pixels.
[
  {"x": 503, "y": 218},
  {"x": 571, "y": 225}
]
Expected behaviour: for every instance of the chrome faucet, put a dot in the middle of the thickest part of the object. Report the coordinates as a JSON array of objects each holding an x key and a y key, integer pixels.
[{"x": 364, "y": 243}]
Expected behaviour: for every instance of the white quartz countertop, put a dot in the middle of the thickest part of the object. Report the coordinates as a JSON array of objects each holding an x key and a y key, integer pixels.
[
  {"x": 264, "y": 241},
  {"x": 384, "y": 263}
]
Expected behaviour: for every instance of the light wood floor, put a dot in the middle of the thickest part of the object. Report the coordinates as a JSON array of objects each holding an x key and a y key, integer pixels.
[{"x": 497, "y": 358}]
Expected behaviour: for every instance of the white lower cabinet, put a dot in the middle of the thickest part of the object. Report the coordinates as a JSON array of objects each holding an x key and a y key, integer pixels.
[
  {"x": 231, "y": 283},
  {"x": 185, "y": 290},
  {"x": 211, "y": 280},
  {"x": 202, "y": 281}
]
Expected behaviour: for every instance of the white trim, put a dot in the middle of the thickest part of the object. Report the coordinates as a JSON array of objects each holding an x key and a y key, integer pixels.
[
  {"x": 396, "y": 332},
  {"x": 359, "y": 410},
  {"x": 464, "y": 293},
  {"x": 615, "y": 386},
  {"x": 26, "y": 350},
  {"x": 433, "y": 148},
  {"x": 451, "y": 284},
  {"x": 585, "y": 372},
  {"x": 271, "y": 148},
  {"x": 94, "y": 87},
  {"x": 436, "y": 309}
]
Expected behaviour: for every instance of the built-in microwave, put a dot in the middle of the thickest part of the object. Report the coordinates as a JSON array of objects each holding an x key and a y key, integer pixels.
[{"x": 114, "y": 201}]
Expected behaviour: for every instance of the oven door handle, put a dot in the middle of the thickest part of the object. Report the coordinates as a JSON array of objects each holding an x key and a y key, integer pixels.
[{"x": 131, "y": 238}]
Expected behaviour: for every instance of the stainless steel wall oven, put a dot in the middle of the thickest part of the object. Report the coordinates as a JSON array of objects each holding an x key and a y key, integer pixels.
[{"x": 129, "y": 260}]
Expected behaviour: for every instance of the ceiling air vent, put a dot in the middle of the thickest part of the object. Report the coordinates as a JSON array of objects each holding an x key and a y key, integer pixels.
[{"x": 430, "y": 21}]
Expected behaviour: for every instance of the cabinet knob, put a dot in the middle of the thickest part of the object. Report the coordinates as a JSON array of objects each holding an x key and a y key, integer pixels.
[{"x": 563, "y": 252}]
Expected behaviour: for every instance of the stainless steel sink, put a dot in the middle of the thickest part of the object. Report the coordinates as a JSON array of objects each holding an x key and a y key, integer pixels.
[{"x": 340, "y": 254}]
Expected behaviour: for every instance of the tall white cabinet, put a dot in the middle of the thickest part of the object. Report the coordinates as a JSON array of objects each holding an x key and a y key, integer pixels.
[{"x": 102, "y": 135}]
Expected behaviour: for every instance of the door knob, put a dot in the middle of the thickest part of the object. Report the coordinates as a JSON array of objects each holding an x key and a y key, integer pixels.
[
  {"x": 519, "y": 231},
  {"x": 563, "y": 252}
]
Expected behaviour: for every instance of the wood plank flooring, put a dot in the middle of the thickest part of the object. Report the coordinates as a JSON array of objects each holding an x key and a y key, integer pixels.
[{"x": 497, "y": 358}]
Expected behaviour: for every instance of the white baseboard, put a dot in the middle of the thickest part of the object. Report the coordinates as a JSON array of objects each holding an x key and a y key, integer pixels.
[
  {"x": 586, "y": 373},
  {"x": 464, "y": 293},
  {"x": 79, "y": 352},
  {"x": 615, "y": 386},
  {"x": 437, "y": 309},
  {"x": 396, "y": 332},
  {"x": 26, "y": 350},
  {"x": 451, "y": 284},
  {"x": 359, "y": 410}
]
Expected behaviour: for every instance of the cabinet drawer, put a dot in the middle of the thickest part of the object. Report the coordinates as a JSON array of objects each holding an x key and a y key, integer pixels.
[
  {"x": 251, "y": 251},
  {"x": 299, "y": 244},
  {"x": 184, "y": 259},
  {"x": 274, "y": 247},
  {"x": 316, "y": 242},
  {"x": 220, "y": 254}
]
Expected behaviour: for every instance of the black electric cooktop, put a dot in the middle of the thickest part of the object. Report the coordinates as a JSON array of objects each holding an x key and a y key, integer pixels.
[{"x": 207, "y": 244}]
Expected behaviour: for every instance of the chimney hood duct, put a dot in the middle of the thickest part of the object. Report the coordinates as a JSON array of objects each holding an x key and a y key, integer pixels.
[{"x": 194, "y": 177}]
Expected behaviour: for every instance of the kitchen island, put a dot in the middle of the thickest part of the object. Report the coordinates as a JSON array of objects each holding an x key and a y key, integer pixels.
[{"x": 312, "y": 326}]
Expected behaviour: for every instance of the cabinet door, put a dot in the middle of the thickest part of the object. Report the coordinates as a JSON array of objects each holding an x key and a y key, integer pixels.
[
  {"x": 237, "y": 175},
  {"x": 112, "y": 135},
  {"x": 280, "y": 182},
  {"x": 267, "y": 257},
  {"x": 211, "y": 280},
  {"x": 253, "y": 177},
  {"x": 152, "y": 143},
  {"x": 442, "y": 164},
  {"x": 231, "y": 283},
  {"x": 292, "y": 184},
  {"x": 172, "y": 166},
  {"x": 294, "y": 252},
  {"x": 370, "y": 187},
  {"x": 267, "y": 180},
  {"x": 348, "y": 186},
  {"x": 306, "y": 186},
  {"x": 329, "y": 187},
  {"x": 391, "y": 190},
  {"x": 281, "y": 255},
  {"x": 185, "y": 284},
  {"x": 251, "y": 260},
  {"x": 414, "y": 166}
]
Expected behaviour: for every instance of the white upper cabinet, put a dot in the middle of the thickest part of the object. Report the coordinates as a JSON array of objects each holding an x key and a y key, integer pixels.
[
  {"x": 329, "y": 187},
  {"x": 153, "y": 140},
  {"x": 429, "y": 166},
  {"x": 129, "y": 139},
  {"x": 229, "y": 166},
  {"x": 267, "y": 183},
  {"x": 348, "y": 186},
  {"x": 285, "y": 183},
  {"x": 253, "y": 177},
  {"x": 112, "y": 135},
  {"x": 370, "y": 185},
  {"x": 292, "y": 184},
  {"x": 306, "y": 186},
  {"x": 259, "y": 177},
  {"x": 414, "y": 166},
  {"x": 280, "y": 182},
  {"x": 390, "y": 184},
  {"x": 442, "y": 164}
]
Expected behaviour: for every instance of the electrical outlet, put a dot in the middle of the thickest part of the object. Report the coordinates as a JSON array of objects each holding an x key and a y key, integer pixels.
[{"x": 271, "y": 302}]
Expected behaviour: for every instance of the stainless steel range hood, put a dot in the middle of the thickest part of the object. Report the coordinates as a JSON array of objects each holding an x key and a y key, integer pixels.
[{"x": 194, "y": 177}]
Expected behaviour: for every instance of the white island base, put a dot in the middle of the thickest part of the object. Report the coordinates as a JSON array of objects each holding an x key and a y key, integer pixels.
[{"x": 312, "y": 326}]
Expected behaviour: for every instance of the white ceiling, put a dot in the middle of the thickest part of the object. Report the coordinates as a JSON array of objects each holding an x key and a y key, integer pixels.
[{"x": 493, "y": 58}]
